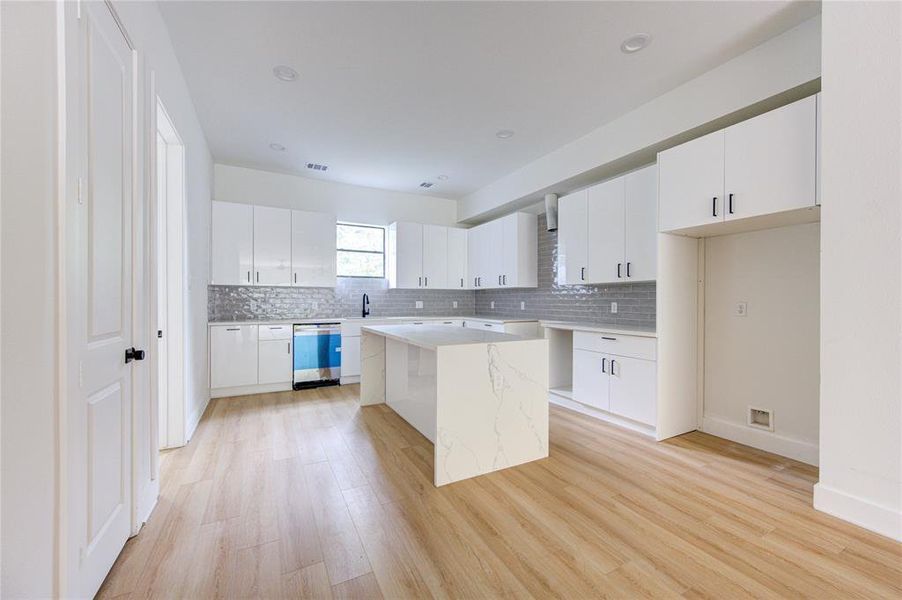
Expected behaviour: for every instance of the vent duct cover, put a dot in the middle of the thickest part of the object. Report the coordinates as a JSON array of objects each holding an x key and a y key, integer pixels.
[
  {"x": 551, "y": 211},
  {"x": 427, "y": 184},
  {"x": 317, "y": 167}
]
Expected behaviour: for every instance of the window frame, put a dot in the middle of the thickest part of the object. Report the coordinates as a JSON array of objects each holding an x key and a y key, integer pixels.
[{"x": 383, "y": 252}]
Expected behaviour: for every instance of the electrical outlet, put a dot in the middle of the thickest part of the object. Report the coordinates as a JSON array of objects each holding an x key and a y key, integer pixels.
[
  {"x": 522, "y": 306},
  {"x": 492, "y": 304},
  {"x": 742, "y": 309},
  {"x": 613, "y": 307},
  {"x": 454, "y": 304},
  {"x": 419, "y": 304}
]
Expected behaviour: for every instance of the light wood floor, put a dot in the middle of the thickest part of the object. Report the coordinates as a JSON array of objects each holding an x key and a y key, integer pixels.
[{"x": 304, "y": 494}]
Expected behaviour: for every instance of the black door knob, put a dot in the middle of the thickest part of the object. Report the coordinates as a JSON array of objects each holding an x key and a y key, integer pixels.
[{"x": 132, "y": 354}]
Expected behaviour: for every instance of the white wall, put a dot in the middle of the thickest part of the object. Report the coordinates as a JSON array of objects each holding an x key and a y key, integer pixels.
[
  {"x": 769, "y": 358},
  {"x": 349, "y": 202},
  {"x": 28, "y": 337},
  {"x": 861, "y": 266},
  {"x": 784, "y": 62}
]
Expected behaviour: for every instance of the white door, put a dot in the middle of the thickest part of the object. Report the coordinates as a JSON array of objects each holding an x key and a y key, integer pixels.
[
  {"x": 633, "y": 385},
  {"x": 272, "y": 246},
  {"x": 435, "y": 257},
  {"x": 98, "y": 441},
  {"x": 232, "y": 251},
  {"x": 690, "y": 180},
  {"x": 605, "y": 263},
  {"x": 313, "y": 249},
  {"x": 408, "y": 243},
  {"x": 233, "y": 355},
  {"x": 771, "y": 161},
  {"x": 457, "y": 259},
  {"x": 571, "y": 238},
  {"x": 641, "y": 209},
  {"x": 590, "y": 379}
]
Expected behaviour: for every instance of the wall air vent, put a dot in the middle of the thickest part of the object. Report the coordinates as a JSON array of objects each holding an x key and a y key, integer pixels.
[
  {"x": 761, "y": 418},
  {"x": 427, "y": 184},
  {"x": 317, "y": 167}
]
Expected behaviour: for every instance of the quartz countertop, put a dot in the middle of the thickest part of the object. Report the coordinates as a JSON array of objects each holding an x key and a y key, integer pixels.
[
  {"x": 432, "y": 337},
  {"x": 601, "y": 328}
]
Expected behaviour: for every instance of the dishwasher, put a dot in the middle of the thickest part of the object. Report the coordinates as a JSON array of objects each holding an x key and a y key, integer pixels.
[{"x": 317, "y": 355}]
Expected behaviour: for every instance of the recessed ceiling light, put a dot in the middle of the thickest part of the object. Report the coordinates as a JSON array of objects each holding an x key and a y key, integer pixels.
[
  {"x": 634, "y": 43},
  {"x": 442, "y": 178},
  {"x": 504, "y": 134},
  {"x": 277, "y": 147},
  {"x": 284, "y": 73}
]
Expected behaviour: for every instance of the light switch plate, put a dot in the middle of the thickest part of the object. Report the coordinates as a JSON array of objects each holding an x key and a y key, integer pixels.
[
  {"x": 742, "y": 309},
  {"x": 419, "y": 304},
  {"x": 454, "y": 304},
  {"x": 492, "y": 304},
  {"x": 522, "y": 306},
  {"x": 613, "y": 307}
]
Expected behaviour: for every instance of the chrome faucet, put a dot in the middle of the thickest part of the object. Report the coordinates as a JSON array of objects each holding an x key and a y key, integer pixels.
[{"x": 366, "y": 306}]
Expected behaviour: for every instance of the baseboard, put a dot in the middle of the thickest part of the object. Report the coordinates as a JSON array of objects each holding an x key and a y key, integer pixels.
[
  {"x": 246, "y": 390},
  {"x": 350, "y": 380},
  {"x": 194, "y": 421},
  {"x": 800, "y": 450},
  {"x": 858, "y": 511},
  {"x": 600, "y": 414}
]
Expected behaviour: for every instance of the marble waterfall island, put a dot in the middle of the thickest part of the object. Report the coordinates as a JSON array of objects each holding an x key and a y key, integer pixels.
[{"x": 480, "y": 397}]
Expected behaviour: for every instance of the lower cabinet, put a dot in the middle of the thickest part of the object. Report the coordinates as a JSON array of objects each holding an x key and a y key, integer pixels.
[
  {"x": 625, "y": 386},
  {"x": 350, "y": 356},
  {"x": 274, "y": 362},
  {"x": 233, "y": 355}
]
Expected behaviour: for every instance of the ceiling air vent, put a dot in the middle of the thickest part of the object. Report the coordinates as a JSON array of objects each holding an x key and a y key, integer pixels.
[
  {"x": 317, "y": 167},
  {"x": 427, "y": 184}
]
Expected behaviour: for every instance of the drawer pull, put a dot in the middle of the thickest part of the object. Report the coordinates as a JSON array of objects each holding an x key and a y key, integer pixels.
[
  {"x": 279, "y": 328},
  {"x": 486, "y": 324},
  {"x": 233, "y": 329},
  {"x": 609, "y": 338}
]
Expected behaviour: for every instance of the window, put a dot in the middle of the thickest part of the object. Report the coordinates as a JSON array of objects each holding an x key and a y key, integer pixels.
[{"x": 361, "y": 251}]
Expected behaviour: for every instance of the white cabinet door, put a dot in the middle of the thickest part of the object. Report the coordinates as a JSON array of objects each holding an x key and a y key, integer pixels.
[
  {"x": 641, "y": 210},
  {"x": 474, "y": 255},
  {"x": 274, "y": 362},
  {"x": 572, "y": 238},
  {"x": 435, "y": 257},
  {"x": 457, "y": 259},
  {"x": 492, "y": 254},
  {"x": 691, "y": 180},
  {"x": 232, "y": 248},
  {"x": 605, "y": 263},
  {"x": 590, "y": 379},
  {"x": 407, "y": 249},
  {"x": 233, "y": 355},
  {"x": 350, "y": 356},
  {"x": 519, "y": 256},
  {"x": 313, "y": 249},
  {"x": 771, "y": 161},
  {"x": 633, "y": 388},
  {"x": 272, "y": 246}
]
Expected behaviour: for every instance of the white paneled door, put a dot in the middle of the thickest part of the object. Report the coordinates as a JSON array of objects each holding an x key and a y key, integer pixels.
[{"x": 98, "y": 404}]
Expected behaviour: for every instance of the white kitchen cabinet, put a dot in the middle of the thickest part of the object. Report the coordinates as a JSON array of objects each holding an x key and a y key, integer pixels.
[
  {"x": 232, "y": 247},
  {"x": 272, "y": 246},
  {"x": 435, "y": 257},
  {"x": 641, "y": 217},
  {"x": 350, "y": 356},
  {"x": 477, "y": 259},
  {"x": 770, "y": 162},
  {"x": 590, "y": 382},
  {"x": 633, "y": 388},
  {"x": 313, "y": 253},
  {"x": 572, "y": 237},
  {"x": 762, "y": 166},
  {"x": 274, "y": 362},
  {"x": 233, "y": 355},
  {"x": 519, "y": 251},
  {"x": 405, "y": 260},
  {"x": 606, "y": 236},
  {"x": 457, "y": 259}
]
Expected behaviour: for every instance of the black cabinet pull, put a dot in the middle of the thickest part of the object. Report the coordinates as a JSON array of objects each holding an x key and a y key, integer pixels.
[
  {"x": 233, "y": 329},
  {"x": 627, "y": 269},
  {"x": 609, "y": 338},
  {"x": 295, "y": 277},
  {"x": 618, "y": 270},
  {"x": 248, "y": 276},
  {"x": 612, "y": 366},
  {"x": 258, "y": 276},
  {"x": 479, "y": 281},
  {"x": 602, "y": 365},
  {"x": 504, "y": 280},
  {"x": 420, "y": 281},
  {"x": 714, "y": 206},
  {"x": 731, "y": 204},
  {"x": 461, "y": 282},
  {"x": 425, "y": 281},
  {"x": 582, "y": 273},
  {"x": 499, "y": 280}
]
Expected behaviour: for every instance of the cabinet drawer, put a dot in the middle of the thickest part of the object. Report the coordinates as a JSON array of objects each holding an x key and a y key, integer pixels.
[
  {"x": 620, "y": 345},
  {"x": 274, "y": 332}
]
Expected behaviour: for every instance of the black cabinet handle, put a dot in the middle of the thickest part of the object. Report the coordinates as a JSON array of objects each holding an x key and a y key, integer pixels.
[
  {"x": 425, "y": 281},
  {"x": 628, "y": 269},
  {"x": 233, "y": 329},
  {"x": 504, "y": 280},
  {"x": 609, "y": 338},
  {"x": 248, "y": 276},
  {"x": 479, "y": 281},
  {"x": 618, "y": 270},
  {"x": 420, "y": 281},
  {"x": 731, "y": 204},
  {"x": 582, "y": 273},
  {"x": 714, "y": 206},
  {"x": 258, "y": 276},
  {"x": 499, "y": 280},
  {"x": 289, "y": 347},
  {"x": 132, "y": 354},
  {"x": 602, "y": 365},
  {"x": 461, "y": 282},
  {"x": 612, "y": 366},
  {"x": 295, "y": 277}
]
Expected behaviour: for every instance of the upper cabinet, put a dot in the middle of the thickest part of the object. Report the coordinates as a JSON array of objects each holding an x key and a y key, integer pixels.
[
  {"x": 312, "y": 249},
  {"x": 504, "y": 252},
  {"x": 762, "y": 166},
  {"x": 457, "y": 259},
  {"x": 272, "y": 246},
  {"x": 232, "y": 244},
  {"x": 261, "y": 245},
  {"x": 417, "y": 256},
  {"x": 607, "y": 233},
  {"x": 435, "y": 257}
]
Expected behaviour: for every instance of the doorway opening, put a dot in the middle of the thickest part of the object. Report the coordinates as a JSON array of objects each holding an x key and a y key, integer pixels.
[{"x": 169, "y": 275}]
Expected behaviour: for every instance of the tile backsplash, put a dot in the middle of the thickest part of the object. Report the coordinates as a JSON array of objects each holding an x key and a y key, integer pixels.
[
  {"x": 591, "y": 303},
  {"x": 244, "y": 303}
]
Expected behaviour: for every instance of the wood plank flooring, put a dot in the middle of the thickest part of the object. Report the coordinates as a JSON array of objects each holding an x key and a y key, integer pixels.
[{"x": 307, "y": 495}]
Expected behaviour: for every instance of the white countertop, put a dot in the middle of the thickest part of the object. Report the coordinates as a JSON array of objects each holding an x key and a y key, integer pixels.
[
  {"x": 432, "y": 337},
  {"x": 361, "y": 320},
  {"x": 601, "y": 328}
]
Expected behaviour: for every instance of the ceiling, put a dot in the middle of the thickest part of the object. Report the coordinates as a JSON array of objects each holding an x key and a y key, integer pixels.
[{"x": 392, "y": 94}]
